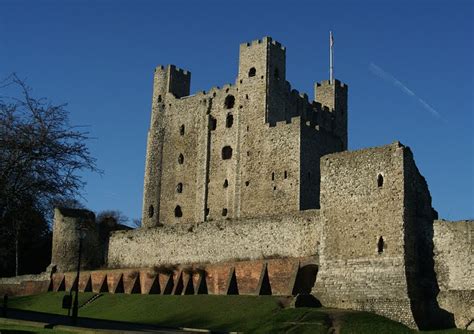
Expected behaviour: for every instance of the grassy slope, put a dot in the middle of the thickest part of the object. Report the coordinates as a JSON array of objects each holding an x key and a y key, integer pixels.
[{"x": 258, "y": 314}]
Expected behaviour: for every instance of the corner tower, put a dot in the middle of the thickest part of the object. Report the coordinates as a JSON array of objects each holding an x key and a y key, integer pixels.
[
  {"x": 334, "y": 96},
  {"x": 262, "y": 67},
  {"x": 169, "y": 82}
]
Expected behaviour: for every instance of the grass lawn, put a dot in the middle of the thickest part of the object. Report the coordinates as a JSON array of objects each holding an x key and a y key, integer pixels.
[
  {"x": 16, "y": 329},
  {"x": 256, "y": 314}
]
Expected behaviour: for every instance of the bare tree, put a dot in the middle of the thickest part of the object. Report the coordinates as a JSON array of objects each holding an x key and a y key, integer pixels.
[
  {"x": 41, "y": 155},
  {"x": 136, "y": 223},
  {"x": 111, "y": 218}
]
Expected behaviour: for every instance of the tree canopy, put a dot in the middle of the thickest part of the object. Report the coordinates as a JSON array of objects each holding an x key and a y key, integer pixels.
[{"x": 41, "y": 156}]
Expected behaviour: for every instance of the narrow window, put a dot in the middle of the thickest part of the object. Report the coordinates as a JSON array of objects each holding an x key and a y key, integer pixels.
[
  {"x": 285, "y": 175},
  {"x": 273, "y": 176},
  {"x": 177, "y": 212},
  {"x": 181, "y": 130},
  {"x": 226, "y": 183},
  {"x": 380, "y": 180},
  {"x": 179, "y": 188},
  {"x": 226, "y": 152},
  {"x": 248, "y": 153},
  {"x": 181, "y": 159},
  {"x": 229, "y": 101},
  {"x": 151, "y": 211},
  {"x": 247, "y": 183},
  {"x": 252, "y": 72},
  {"x": 229, "y": 120},
  {"x": 213, "y": 123},
  {"x": 380, "y": 245},
  {"x": 224, "y": 212},
  {"x": 277, "y": 73},
  {"x": 159, "y": 98}
]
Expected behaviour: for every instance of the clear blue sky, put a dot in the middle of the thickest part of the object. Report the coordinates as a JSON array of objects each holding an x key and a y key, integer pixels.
[{"x": 408, "y": 64}]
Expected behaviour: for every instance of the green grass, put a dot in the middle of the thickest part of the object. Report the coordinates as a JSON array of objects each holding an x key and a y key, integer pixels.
[
  {"x": 255, "y": 314},
  {"x": 17, "y": 329}
]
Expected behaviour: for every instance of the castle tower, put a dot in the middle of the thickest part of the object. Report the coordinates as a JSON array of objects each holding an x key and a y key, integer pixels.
[
  {"x": 262, "y": 66},
  {"x": 167, "y": 81},
  {"x": 334, "y": 96},
  {"x": 68, "y": 224}
]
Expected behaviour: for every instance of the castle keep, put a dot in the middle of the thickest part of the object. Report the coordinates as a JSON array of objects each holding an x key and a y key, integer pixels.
[
  {"x": 250, "y": 189},
  {"x": 241, "y": 151}
]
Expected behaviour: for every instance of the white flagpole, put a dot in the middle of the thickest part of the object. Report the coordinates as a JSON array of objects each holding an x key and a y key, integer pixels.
[{"x": 331, "y": 58}]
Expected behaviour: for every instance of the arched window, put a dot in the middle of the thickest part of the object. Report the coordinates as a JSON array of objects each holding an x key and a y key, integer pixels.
[
  {"x": 177, "y": 212},
  {"x": 379, "y": 180},
  {"x": 273, "y": 176},
  {"x": 229, "y": 120},
  {"x": 151, "y": 211},
  {"x": 229, "y": 101},
  {"x": 179, "y": 188},
  {"x": 226, "y": 152},
  {"x": 181, "y": 130},
  {"x": 380, "y": 245},
  {"x": 285, "y": 175},
  {"x": 226, "y": 183},
  {"x": 224, "y": 212},
  {"x": 252, "y": 72},
  {"x": 181, "y": 159}
]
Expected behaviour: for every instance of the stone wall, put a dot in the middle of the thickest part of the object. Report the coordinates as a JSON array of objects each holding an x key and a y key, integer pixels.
[
  {"x": 259, "y": 277},
  {"x": 454, "y": 264},
  {"x": 68, "y": 224},
  {"x": 362, "y": 264},
  {"x": 25, "y": 285},
  {"x": 217, "y": 241}
]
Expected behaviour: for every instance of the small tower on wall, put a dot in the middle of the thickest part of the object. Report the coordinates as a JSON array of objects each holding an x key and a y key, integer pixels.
[
  {"x": 334, "y": 96},
  {"x": 167, "y": 80}
]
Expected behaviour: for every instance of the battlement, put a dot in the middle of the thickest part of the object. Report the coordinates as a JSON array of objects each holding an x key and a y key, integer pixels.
[
  {"x": 173, "y": 69},
  {"x": 264, "y": 40},
  {"x": 328, "y": 83}
]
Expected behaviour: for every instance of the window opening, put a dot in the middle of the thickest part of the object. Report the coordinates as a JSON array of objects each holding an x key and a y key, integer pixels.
[
  {"x": 213, "y": 123},
  {"x": 252, "y": 72},
  {"x": 229, "y": 101},
  {"x": 179, "y": 188},
  {"x": 151, "y": 211},
  {"x": 380, "y": 245},
  {"x": 380, "y": 180},
  {"x": 226, "y": 183},
  {"x": 273, "y": 176},
  {"x": 226, "y": 152},
  {"x": 181, "y": 159},
  {"x": 229, "y": 120},
  {"x": 224, "y": 212},
  {"x": 177, "y": 211},
  {"x": 181, "y": 130},
  {"x": 285, "y": 175}
]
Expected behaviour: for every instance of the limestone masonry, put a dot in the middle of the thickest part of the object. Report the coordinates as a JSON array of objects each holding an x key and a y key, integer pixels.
[{"x": 250, "y": 189}]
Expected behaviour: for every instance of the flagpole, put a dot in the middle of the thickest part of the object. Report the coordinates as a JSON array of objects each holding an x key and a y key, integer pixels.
[{"x": 331, "y": 58}]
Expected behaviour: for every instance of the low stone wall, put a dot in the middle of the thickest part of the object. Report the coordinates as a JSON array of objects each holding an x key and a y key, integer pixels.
[
  {"x": 260, "y": 277},
  {"x": 294, "y": 235},
  {"x": 25, "y": 285}
]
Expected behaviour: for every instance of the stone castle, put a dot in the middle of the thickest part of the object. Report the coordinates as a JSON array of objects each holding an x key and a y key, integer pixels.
[{"x": 250, "y": 189}]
